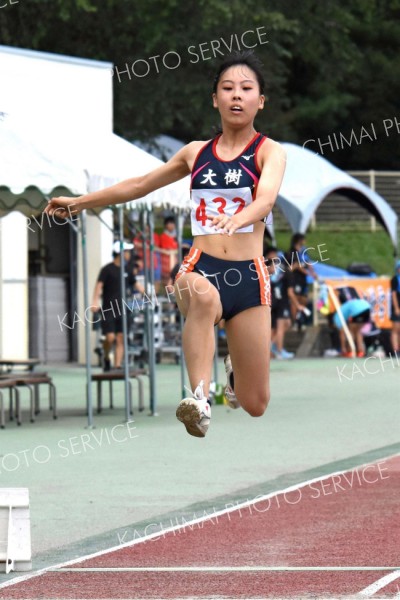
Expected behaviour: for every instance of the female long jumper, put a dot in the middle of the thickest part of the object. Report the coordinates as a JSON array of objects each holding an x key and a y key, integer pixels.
[{"x": 235, "y": 181}]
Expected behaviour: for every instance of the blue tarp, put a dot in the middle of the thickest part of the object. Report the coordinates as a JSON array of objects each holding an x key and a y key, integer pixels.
[{"x": 325, "y": 271}]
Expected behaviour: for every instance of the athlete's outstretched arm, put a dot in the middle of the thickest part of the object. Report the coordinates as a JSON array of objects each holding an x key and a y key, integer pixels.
[
  {"x": 129, "y": 189},
  {"x": 273, "y": 157}
]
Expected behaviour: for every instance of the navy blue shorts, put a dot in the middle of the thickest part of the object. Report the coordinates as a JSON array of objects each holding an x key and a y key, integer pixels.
[{"x": 241, "y": 284}]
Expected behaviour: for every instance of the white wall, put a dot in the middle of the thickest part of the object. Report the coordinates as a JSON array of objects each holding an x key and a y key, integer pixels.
[{"x": 13, "y": 286}]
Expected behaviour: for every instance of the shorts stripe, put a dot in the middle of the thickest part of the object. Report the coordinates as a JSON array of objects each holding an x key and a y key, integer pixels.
[
  {"x": 189, "y": 262},
  {"x": 263, "y": 278}
]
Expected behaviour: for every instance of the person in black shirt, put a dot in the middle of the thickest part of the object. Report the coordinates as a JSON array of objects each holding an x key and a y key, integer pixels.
[
  {"x": 284, "y": 297},
  {"x": 108, "y": 287},
  {"x": 300, "y": 264},
  {"x": 395, "y": 313},
  {"x": 281, "y": 288}
]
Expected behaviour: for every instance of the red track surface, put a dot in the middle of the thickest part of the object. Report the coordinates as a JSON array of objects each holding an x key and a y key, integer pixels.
[{"x": 345, "y": 520}]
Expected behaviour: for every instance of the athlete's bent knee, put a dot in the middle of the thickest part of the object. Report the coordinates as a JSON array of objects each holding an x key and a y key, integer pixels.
[
  {"x": 258, "y": 407},
  {"x": 257, "y": 411},
  {"x": 205, "y": 302}
]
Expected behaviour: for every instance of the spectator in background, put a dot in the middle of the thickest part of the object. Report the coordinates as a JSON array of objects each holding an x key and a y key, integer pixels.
[
  {"x": 298, "y": 246},
  {"x": 139, "y": 250},
  {"x": 168, "y": 248},
  {"x": 395, "y": 312},
  {"x": 301, "y": 266},
  {"x": 356, "y": 312},
  {"x": 281, "y": 283},
  {"x": 108, "y": 288}
]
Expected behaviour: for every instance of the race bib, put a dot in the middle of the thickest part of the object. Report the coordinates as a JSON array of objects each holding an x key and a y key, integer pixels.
[{"x": 212, "y": 202}]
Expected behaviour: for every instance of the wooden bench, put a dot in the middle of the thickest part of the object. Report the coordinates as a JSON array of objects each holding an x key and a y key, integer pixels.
[
  {"x": 32, "y": 381},
  {"x": 119, "y": 375},
  {"x": 11, "y": 385},
  {"x": 10, "y": 364}
]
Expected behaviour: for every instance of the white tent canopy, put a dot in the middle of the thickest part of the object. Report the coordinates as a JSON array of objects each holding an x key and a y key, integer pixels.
[
  {"x": 162, "y": 146},
  {"x": 36, "y": 165},
  {"x": 310, "y": 178},
  {"x": 29, "y": 171},
  {"x": 109, "y": 161}
]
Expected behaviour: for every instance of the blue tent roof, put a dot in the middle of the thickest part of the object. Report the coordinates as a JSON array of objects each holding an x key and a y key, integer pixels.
[{"x": 325, "y": 271}]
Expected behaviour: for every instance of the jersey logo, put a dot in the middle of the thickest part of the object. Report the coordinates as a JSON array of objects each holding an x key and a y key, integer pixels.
[
  {"x": 207, "y": 274},
  {"x": 248, "y": 157}
]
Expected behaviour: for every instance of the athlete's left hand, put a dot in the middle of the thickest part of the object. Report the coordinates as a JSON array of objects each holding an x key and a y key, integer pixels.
[{"x": 225, "y": 224}]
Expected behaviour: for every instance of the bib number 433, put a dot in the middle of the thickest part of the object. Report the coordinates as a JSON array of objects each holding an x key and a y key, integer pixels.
[{"x": 201, "y": 214}]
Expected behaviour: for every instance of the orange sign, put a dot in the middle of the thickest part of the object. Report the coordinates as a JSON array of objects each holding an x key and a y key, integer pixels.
[{"x": 375, "y": 291}]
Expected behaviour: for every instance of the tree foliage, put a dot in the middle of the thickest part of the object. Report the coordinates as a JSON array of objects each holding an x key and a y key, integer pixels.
[{"x": 331, "y": 67}]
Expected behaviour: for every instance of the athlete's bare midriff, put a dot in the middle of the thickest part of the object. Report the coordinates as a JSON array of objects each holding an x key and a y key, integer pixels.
[{"x": 239, "y": 246}]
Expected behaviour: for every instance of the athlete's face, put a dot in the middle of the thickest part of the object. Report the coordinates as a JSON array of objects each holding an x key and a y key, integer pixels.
[{"x": 238, "y": 97}]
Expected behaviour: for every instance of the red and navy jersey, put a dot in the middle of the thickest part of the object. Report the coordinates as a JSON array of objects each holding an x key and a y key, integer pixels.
[{"x": 223, "y": 186}]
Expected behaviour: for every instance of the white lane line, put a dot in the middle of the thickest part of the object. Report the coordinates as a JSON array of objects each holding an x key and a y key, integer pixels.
[
  {"x": 378, "y": 585},
  {"x": 211, "y": 569},
  {"x": 224, "y": 511}
]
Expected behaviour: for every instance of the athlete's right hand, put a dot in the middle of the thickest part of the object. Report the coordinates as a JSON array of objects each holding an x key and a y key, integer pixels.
[
  {"x": 224, "y": 224},
  {"x": 63, "y": 207}
]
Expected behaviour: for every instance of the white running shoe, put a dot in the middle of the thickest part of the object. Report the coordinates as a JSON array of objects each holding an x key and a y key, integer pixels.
[
  {"x": 195, "y": 412},
  {"x": 230, "y": 395}
]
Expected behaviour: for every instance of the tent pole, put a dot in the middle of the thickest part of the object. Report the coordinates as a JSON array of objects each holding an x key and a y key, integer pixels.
[
  {"x": 152, "y": 353},
  {"x": 146, "y": 328},
  {"x": 179, "y": 234},
  {"x": 124, "y": 319},
  {"x": 89, "y": 396},
  {"x": 146, "y": 281}
]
